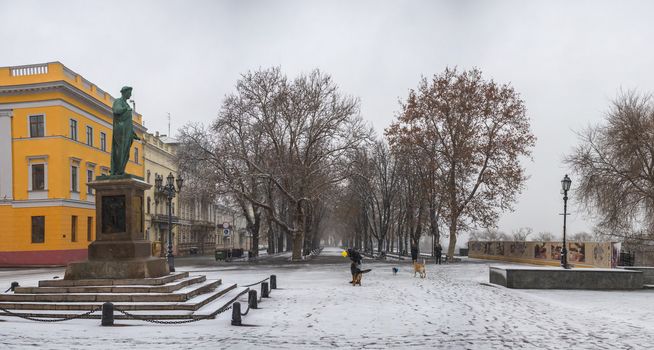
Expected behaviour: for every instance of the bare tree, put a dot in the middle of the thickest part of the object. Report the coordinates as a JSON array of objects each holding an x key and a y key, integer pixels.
[
  {"x": 544, "y": 236},
  {"x": 307, "y": 128},
  {"x": 201, "y": 155},
  {"x": 521, "y": 234},
  {"x": 614, "y": 167},
  {"x": 488, "y": 234},
  {"x": 584, "y": 237},
  {"x": 477, "y": 131},
  {"x": 375, "y": 179}
]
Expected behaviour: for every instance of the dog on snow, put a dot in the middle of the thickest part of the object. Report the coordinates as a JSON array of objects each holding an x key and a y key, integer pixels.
[{"x": 419, "y": 269}]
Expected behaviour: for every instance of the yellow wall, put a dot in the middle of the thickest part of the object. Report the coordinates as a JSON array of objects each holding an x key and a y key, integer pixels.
[{"x": 15, "y": 218}]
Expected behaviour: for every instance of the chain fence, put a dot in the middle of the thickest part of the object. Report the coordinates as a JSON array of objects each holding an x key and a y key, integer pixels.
[
  {"x": 155, "y": 320},
  {"x": 67, "y": 318},
  {"x": 254, "y": 284}
]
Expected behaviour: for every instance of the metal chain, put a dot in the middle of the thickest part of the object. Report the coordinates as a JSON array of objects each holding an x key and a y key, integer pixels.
[
  {"x": 151, "y": 320},
  {"x": 246, "y": 311},
  {"x": 9, "y": 313},
  {"x": 226, "y": 307},
  {"x": 263, "y": 280}
]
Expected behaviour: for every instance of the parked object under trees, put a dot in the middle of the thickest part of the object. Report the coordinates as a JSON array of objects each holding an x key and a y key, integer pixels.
[{"x": 476, "y": 131}]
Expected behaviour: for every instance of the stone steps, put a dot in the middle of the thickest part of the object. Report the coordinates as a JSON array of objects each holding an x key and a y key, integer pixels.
[
  {"x": 209, "y": 310},
  {"x": 117, "y": 282},
  {"x": 174, "y": 296},
  {"x": 180, "y": 295},
  {"x": 190, "y": 305},
  {"x": 164, "y": 288}
]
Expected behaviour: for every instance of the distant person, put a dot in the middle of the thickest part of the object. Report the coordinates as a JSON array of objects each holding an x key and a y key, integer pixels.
[
  {"x": 414, "y": 253},
  {"x": 438, "y": 251}
]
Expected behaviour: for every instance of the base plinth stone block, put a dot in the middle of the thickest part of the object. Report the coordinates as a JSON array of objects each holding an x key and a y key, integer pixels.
[
  {"x": 110, "y": 250},
  {"x": 118, "y": 269}
]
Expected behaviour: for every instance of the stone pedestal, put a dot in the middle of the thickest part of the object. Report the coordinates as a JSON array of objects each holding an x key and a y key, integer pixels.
[{"x": 120, "y": 250}]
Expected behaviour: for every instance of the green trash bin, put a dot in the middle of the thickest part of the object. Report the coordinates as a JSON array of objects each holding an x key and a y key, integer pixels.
[{"x": 220, "y": 255}]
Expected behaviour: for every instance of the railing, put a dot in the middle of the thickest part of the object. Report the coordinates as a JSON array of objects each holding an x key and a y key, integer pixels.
[
  {"x": 99, "y": 92},
  {"x": 29, "y": 70},
  {"x": 70, "y": 74},
  {"x": 86, "y": 84}
]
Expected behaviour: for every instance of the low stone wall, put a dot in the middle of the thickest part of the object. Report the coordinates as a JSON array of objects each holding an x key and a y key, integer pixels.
[
  {"x": 580, "y": 254},
  {"x": 648, "y": 273},
  {"x": 558, "y": 278}
]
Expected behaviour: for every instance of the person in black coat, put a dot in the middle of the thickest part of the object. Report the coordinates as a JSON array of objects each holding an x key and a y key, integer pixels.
[
  {"x": 414, "y": 253},
  {"x": 438, "y": 251}
]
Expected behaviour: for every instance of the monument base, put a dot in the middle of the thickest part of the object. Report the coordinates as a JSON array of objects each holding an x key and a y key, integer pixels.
[
  {"x": 110, "y": 250},
  {"x": 117, "y": 269}
]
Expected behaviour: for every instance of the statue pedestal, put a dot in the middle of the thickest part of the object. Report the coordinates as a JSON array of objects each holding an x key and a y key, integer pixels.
[{"x": 120, "y": 250}]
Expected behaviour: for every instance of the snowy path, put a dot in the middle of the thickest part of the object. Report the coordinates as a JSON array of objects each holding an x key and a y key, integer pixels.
[{"x": 317, "y": 308}]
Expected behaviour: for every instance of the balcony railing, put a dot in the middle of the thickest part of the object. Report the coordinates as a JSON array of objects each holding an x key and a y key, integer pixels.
[{"x": 33, "y": 69}]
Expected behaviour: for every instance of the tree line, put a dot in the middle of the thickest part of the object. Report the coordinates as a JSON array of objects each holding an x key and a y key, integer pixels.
[{"x": 297, "y": 159}]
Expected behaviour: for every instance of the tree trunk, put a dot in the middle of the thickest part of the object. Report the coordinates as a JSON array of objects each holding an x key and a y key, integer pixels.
[
  {"x": 298, "y": 238},
  {"x": 280, "y": 241},
  {"x": 450, "y": 249}
]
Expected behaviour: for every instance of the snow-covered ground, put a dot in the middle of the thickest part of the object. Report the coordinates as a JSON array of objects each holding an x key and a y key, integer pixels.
[{"x": 316, "y": 307}]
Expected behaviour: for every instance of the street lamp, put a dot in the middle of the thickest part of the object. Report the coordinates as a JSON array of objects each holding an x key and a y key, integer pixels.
[
  {"x": 168, "y": 190},
  {"x": 565, "y": 185}
]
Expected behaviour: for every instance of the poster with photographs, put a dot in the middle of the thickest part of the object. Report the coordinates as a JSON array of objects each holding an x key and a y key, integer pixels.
[{"x": 597, "y": 254}]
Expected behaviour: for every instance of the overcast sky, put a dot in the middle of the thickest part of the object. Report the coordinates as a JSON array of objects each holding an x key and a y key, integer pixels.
[{"x": 568, "y": 59}]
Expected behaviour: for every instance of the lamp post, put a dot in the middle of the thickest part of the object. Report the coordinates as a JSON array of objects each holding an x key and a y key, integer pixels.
[
  {"x": 565, "y": 185},
  {"x": 168, "y": 190}
]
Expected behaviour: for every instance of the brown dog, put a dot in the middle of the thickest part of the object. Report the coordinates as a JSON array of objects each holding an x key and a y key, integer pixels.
[{"x": 419, "y": 269}]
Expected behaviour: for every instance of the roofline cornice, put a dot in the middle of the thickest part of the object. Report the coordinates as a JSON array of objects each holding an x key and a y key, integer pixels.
[{"x": 68, "y": 89}]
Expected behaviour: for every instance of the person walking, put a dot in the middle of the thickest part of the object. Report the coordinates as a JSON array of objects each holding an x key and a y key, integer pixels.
[
  {"x": 414, "y": 253},
  {"x": 438, "y": 251}
]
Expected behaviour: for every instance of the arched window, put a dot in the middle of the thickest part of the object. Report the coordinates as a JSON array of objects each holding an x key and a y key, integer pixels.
[{"x": 148, "y": 176}]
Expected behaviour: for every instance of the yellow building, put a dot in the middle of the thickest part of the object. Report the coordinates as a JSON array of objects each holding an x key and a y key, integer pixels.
[{"x": 55, "y": 136}]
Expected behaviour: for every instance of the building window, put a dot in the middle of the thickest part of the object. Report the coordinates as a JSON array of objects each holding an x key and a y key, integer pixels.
[
  {"x": 73, "y": 179},
  {"x": 89, "y": 179},
  {"x": 148, "y": 208},
  {"x": 89, "y": 136},
  {"x": 38, "y": 177},
  {"x": 73, "y": 129},
  {"x": 37, "y": 126},
  {"x": 136, "y": 155},
  {"x": 103, "y": 141},
  {"x": 89, "y": 228},
  {"x": 73, "y": 229},
  {"x": 38, "y": 229},
  {"x": 173, "y": 208},
  {"x": 148, "y": 177}
]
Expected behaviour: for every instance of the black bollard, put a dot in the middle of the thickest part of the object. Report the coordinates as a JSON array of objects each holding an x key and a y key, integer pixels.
[
  {"x": 107, "y": 314},
  {"x": 236, "y": 314},
  {"x": 264, "y": 289},
  {"x": 252, "y": 299},
  {"x": 273, "y": 282}
]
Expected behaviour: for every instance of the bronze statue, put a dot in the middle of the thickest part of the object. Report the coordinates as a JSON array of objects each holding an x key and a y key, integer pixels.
[{"x": 123, "y": 133}]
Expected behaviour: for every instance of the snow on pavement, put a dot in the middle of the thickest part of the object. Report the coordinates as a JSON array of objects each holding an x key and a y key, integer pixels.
[{"x": 316, "y": 307}]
